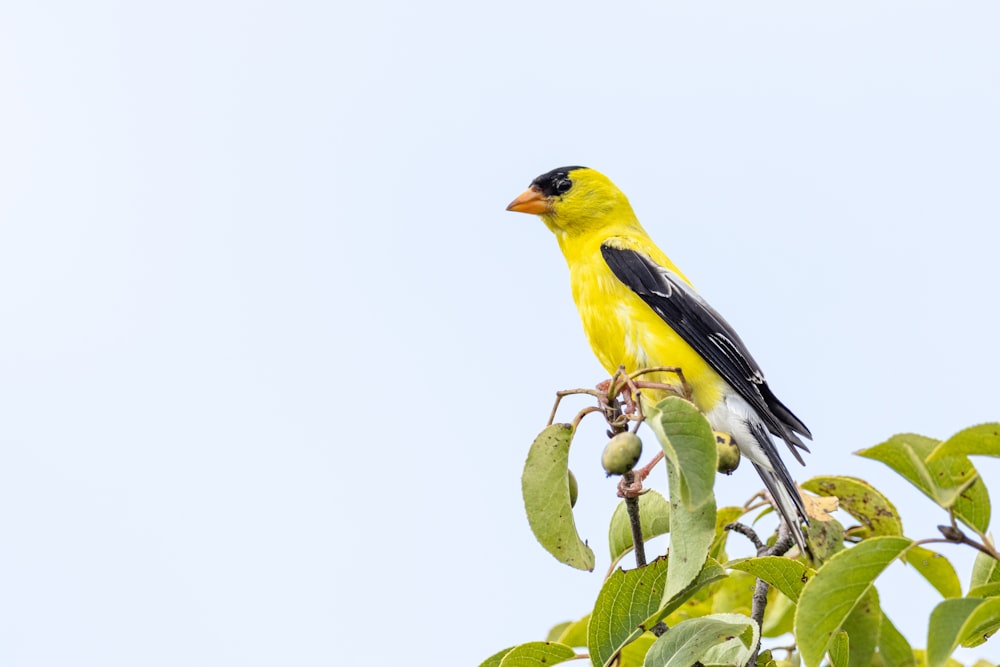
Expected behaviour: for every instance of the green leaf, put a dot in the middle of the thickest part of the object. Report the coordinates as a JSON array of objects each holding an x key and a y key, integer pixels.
[
  {"x": 537, "y": 654},
  {"x": 691, "y": 640},
  {"x": 709, "y": 574},
  {"x": 689, "y": 448},
  {"x": 734, "y": 594},
  {"x": 959, "y": 621},
  {"x": 921, "y": 658},
  {"x": 825, "y": 539},
  {"x": 951, "y": 482},
  {"x": 985, "y": 570},
  {"x": 573, "y": 633},
  {"x": 862, "y": 501},
  {"x": 936, "y": 569},
  {"x": 982, "y": 624},
  {"x": 779, "y": 615},
  {"x": 556, "y": 631},
  {"x": 985, "y": 591},
  {"x": 785, "y": 574},
  {"x": 697, "y": 604},
  {"x": 765, "y": 659},
  {"x": 691, "y": 535},
  {"x": 494, "y": 660},
  {"x": 840, "y": 652},
  {"x": 736, "y": 651},
  {"x": 724, "y": 517},
  {"x": 634, "y": 653},
  {"x": 982, "y": 440},
  {"x": 545, "y": 488},
  {"x": 627, "y": 598},
  {"x": 654, "y": 518},
  {"x": 839, "y": 585},
  {"x": 862, "y": 628},
  {"x": 893, "y": 647}
]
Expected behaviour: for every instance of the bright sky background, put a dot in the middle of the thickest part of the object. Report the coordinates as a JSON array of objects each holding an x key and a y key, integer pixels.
[{"x": 272, "y": 352}]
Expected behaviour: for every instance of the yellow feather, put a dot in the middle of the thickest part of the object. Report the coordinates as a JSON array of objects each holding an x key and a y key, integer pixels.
[{"x": 621, "y": 328}]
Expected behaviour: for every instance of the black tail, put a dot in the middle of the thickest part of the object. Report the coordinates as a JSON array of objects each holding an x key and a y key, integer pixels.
[{"x": 787, "y": 502}]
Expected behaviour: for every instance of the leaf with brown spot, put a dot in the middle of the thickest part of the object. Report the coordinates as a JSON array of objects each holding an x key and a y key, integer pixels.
[{"x": 878, "y": 516}]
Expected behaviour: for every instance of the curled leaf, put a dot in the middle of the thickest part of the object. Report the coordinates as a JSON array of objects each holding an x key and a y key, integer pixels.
[{"x": 546, "y": 492}]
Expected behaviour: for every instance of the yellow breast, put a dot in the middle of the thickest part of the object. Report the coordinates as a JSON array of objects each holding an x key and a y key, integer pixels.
[{"x": 624, "y": 331}]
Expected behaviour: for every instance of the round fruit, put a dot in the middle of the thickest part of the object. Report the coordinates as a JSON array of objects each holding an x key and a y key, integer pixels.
[
  {"x": 573, "y": 490},
  {"x": 729, "y": 454},
  {"x": 622, "y": 453}
]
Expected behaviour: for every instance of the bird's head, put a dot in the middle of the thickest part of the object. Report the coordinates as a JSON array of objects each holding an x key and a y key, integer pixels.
[{"x": 575, "y": 200}]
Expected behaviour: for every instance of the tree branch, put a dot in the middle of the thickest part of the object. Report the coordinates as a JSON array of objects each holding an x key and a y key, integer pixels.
[
  {"x": 759, "y": 600},
  {"x": 632, "y": 505}
]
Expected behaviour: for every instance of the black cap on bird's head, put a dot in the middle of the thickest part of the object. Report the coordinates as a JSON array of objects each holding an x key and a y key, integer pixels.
[
  {"x": 556, "y": 182},
  {"x": 537, "y": 198}
]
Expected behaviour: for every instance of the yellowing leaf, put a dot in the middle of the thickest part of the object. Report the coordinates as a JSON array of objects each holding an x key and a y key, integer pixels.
[
  {"x": 574, "y": 633},
  {"x": 819, "y": 508},
  {"x": 825, "y": 538},
  {"x": 785, "y": 574},
  {"x": 840, "y": 650},
  {"x": 861, "y": 500},
  {"x": 936, "y": 569}
]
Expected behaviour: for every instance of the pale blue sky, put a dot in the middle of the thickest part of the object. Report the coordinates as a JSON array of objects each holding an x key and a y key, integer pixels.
[{"x": 273, "y": 352}]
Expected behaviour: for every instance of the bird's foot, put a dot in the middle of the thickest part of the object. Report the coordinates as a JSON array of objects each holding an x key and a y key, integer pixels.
[{"x": 630, "y": 486}]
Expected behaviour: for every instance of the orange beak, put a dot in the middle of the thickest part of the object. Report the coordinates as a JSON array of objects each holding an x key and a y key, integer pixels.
[{"x": 531, "y": 201}]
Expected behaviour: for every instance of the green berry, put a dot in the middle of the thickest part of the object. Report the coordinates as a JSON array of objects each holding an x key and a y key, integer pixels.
[
  {"x": 729, "y": 454},
  {"x": 622, "y": 453},
  {"x": 573, "y": 490}
]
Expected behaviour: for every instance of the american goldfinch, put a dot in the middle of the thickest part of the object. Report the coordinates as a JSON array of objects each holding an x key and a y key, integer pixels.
[{"x": 639, "y": 311}]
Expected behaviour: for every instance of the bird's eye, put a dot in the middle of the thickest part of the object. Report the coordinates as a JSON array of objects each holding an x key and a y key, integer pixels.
[{"x": 563, "y": 185}]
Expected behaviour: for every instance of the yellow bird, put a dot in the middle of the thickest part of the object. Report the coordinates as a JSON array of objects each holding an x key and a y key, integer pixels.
[{"x": 640, "y": 311}]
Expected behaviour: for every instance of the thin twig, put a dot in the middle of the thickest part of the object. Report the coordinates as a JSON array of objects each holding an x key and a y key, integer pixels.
[
  {"x": 583, "y": 413},
  {"x": 953, "y": 535},
  {"x": 560, "y": 395},
  {"x": 747, "y": 532},
  {"x": 759, "y": 600},
  {"x": 632, "y": 505}
]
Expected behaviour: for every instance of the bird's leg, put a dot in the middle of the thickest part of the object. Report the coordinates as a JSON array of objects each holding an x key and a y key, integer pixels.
[
  {"x": 639, "y": 475},
  {"x": 609, "y": 391},
  {"x": 629, "y": 389},
  {"x": 685, "y": 387}
]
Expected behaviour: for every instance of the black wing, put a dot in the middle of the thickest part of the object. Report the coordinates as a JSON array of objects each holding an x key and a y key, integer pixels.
[{"x": 711, "y": 336}]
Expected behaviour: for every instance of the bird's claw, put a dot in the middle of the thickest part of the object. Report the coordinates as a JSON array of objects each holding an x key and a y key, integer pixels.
[{"x": 630, "y": 486}]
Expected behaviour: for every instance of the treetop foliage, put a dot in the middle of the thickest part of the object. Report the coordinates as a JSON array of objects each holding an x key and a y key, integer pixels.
[{"x": 694, "y": 606}]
